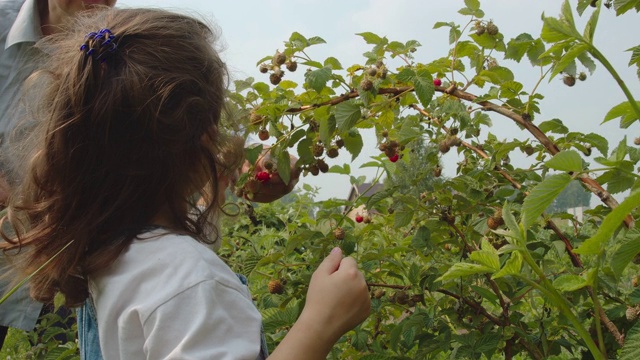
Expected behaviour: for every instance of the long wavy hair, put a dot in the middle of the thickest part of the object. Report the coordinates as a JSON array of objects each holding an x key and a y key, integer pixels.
[{"x": 125, "y": 131}]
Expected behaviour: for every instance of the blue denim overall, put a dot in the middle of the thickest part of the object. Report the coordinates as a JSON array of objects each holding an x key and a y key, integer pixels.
[{"x": 89, "y": 342}]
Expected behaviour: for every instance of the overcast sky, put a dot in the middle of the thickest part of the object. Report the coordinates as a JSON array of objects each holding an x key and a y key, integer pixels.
[{"x": 252, "y": 29}]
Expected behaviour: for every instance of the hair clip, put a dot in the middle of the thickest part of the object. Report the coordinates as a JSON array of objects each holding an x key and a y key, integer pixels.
[{"x": 96, "y": 44}]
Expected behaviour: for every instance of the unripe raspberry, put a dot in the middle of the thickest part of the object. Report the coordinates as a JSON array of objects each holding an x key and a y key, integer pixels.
[
  {"x": 632, "y": 313},
  {"x": 314, "y": 170},
  {"x": 636, "y": 141},
  {"x": 340, "y": 143},
  {"x": 582, "y": 76},
  {"x": 366, "y": 84},
  {"x": 339, "y": 233},
  {"x": 480, "y": 30},
  {"x": 378, "y": 293},
  {"x": 394, "y": 144},
  {"x": 437, "y": 82},
  {"x": 275, "y": 287},
  {"x": 494, "y": 222},
  {"x": 372, "y": 71},
  {"x": 402, "y": 298},
  {"x": 275, "y": 78},
  {"x": 317, "y": 149},
  {"x": 264, "y": 68},
  {"x": 292, "y": 66},
  {"x": 279, "y": 58},
  {"x": 263, "y": 134},
  {"x": 444, "y": 147},
  {"x": 492, "y": 29},
  {"x": 529, "y": 150},
  {"x": 268, "y": 165},
  {"x": 437, "y": 171},
  {"x": 385, "y": 134},
  {"x": 332, "y": 153},
  {"x": 322, "y": 166},
  {"x": 569, "y": 80},
  {"x": 255, "y": 118},
  {"x": 383, "y": 146},
  {"x": 367, "y": 219}
]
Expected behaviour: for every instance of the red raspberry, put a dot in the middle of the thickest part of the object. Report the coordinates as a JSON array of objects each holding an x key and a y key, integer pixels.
[
  {"x": 437, "y": 82},
  {"x": 263, "y": 176},
  {"x": 359, "y": 218},
  {"x": 394, "y": 158}
]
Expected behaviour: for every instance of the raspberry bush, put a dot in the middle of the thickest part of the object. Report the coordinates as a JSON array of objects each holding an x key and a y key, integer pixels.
[{"x": 475, "y": 267}]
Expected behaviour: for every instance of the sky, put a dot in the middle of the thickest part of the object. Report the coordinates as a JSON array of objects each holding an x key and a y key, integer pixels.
[{"x": 253, "y": 29}]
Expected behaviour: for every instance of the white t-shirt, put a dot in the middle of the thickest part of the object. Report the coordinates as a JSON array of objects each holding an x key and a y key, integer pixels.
[{"x": 169, "y": 297}]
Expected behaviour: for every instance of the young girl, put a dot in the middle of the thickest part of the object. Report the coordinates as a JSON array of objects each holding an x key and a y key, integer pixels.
[{"x": 128, "y": 130}]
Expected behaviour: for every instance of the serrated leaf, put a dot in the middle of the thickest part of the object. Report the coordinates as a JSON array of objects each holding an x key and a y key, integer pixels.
[
  {"x": 567, "y": 160},
  {"x": 587, "y": 62},
  {"x": 423, "y": 83},
  {"x": 252, "y": 153},
  {"x": 459, "y": 270},
  {"x": 333, "y": 63},
  {"x": 403, "y": 217},
  {"x": 598, "y": 141},
  {"x": 421, "y": 239},
  {"x": 534, "y": 53},
  {"x": 635, "y": 55},
  {"x": 347, "y": 115},
  {"x": 622, "y": 6},
  {"x": 590, "y": 27},
  {"x": 554, "y": 30},
  {"x": 626, "y": 252},
  {"x": 511, "y": 267},
  {"x": 567, "y": 14},
  {"x": 317, "y": 79},
  {"x": 353, "y": 143},
  {"x": 284, "y": 166},
  {"x": 553, "y": 126},
  {"x": 624, "y": 111},
  {"x": 568, "y": 58},
  {"x": 327, "y": 129},
  {"x": 569, "y": 282},
  {"x": 518, "y": 47},
  {"x": 372, "y": 38},
  {"x": 631, "y": 348},
  {"x": 611, "y": 222},
  {"x": 486, "y": 258},
  {"x": 542, "y": 196}
]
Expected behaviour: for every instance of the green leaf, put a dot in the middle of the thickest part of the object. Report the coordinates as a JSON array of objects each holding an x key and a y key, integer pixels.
[
  {"x": 554, "y": 30},
  {"x": 423, "y": 83},
  {"x": 622, "y": 6},
  {"x": 631, "y": 348},
  {"x": 353, "y": 143},
  {"x": 568, "y": 283},
  {"x": 317, "y": 79},
  {"x": 534, "y": 53},
  {"x": 518, "y": 47},
  {"x": 568, "y": 58},
  {"x": 542, "y": 196},
  {"x": 553, "y": 126},
  {"x": 635, "y": 55},
  {"x": 372, "y": 38},
  {"x": 459, "y": 270},
  {"x": 598, "y": 141},
  {"x": 472, "y": 4},
  {"x": 327, "y": 128},
  {"x": 596, "y": 244},
  {"x": 590, "y": 27},
  {"x": 624, "y": 111},
  {"x": 567, "y": 14},
  {"x": 635, "y": 296},
  {"x": 252, "y": 153},
  {"x": 497, "y": 75},
  {"x": 626, "y": 252},
  {"x": 567, "y": 160},
  {"x": 284, "y": 166},
  {"x": 403, "y": 217},
  {"x": 421, "y": 239},
  {"x": 511, "y": 267},
  {"x": 486, "y": 258},
  {"x": 587, "y": 62},
  {"x": 347, "y": 115},
  {"x": 332, "y": 63}
]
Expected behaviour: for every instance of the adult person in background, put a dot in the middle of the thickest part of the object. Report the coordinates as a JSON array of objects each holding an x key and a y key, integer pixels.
[{"x": 22, "y": 23}]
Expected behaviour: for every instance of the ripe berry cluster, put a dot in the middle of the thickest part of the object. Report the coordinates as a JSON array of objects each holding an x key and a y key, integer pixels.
[{"x": 391, "y": 148}]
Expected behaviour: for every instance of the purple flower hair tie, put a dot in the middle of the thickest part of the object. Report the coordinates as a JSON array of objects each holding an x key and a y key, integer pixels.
[{"x": 98, "y": 44}]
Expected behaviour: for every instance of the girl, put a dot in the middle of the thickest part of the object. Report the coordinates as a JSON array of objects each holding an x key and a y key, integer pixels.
[{"x": 128, "y": 130}]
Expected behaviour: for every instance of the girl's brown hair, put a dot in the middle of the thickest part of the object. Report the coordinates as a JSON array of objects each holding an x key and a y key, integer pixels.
[{"x": 124, "y": 132}]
